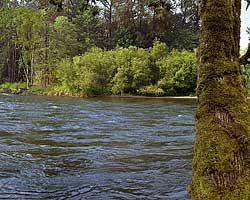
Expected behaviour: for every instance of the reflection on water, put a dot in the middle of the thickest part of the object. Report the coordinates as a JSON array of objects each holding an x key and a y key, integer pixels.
[{"x": 67, "y": 148}]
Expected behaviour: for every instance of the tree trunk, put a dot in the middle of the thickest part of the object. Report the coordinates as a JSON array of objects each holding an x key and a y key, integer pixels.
[
  {"x": 221, "y": 160},
  {"x": 45, "y": 70},
  {"x": 110, "y": 28},
  {"x": 32, "y": 63}
]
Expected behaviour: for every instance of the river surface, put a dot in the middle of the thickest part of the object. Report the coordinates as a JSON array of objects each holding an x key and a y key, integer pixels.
[{"x": 95, "y": 149}]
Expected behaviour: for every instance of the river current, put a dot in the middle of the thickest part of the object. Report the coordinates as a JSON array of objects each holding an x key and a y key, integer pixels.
[{"x": 95, "y": 149}]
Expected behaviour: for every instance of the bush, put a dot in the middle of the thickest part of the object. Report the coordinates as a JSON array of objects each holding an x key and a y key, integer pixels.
[
  {"x": 132, "y": 70},
  {"x": 178, "y": 72},
  {"x": 67, "y": 74},
  {"x": 13, "y": 86},
  {"x": 151, "y": 90},
  {"x": 89, "y": 74}
]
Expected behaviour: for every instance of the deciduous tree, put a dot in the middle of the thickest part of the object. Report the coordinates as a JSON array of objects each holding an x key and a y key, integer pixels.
[{"x": 221, "y": 164}]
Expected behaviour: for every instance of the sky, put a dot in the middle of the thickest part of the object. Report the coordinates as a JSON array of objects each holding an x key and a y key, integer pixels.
[{"x": 245, "y": 22}]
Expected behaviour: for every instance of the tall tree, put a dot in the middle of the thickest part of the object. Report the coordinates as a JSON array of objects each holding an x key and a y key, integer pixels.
[{"x": 221, "y": 163}]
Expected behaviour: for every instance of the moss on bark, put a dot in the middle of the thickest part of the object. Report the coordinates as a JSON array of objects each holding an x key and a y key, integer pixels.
[{"x": 221, "y": 163}]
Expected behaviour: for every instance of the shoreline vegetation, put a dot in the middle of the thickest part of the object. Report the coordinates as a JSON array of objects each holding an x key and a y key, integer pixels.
[
  {"x": 90, "y": 48},
  {"x": 42, "y": 92},
  {"x": 132, "y": 72},
  {"x": 154, "y": 72},
  {"x": 129, "y": 72}
]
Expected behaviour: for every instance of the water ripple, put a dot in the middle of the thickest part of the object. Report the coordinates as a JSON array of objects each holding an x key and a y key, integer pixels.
[{"x": 68, "y": 148}]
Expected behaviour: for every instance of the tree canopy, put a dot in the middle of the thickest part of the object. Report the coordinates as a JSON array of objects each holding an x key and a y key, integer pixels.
[{"x": 38, "y": 36}]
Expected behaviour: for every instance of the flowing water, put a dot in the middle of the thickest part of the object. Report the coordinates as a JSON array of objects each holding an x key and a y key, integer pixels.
[{"x": 95, "y": 149}]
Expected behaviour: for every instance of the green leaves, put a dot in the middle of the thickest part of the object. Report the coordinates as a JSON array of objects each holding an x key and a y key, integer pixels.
[
  {"x": 178, "y": 73},
  {"x": 129, "y": 70},
  {"x": 63, "y": 39},
  {"x": 133, "y": 70}
]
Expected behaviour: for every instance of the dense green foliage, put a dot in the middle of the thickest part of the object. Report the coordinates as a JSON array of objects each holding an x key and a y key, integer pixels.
[
  {"x": 100, "y": 47},
  {"x": 178, "y": 73},
  {"x": 136, "y": 71},
  {"x": 154, "y": 72}
]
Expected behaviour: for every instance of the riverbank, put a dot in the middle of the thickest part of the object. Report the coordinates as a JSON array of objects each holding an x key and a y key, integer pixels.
[
  {"x": 148, "y": 97},
  {"x": 20, "y": 89},
  {"x": 48, "y": 92}
]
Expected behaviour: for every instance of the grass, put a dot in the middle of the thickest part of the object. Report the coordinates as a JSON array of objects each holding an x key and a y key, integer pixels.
[{"x": 12, "y": 86}]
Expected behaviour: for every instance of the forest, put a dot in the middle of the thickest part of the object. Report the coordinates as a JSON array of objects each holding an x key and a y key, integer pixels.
[{"x": 84, "y": 48}]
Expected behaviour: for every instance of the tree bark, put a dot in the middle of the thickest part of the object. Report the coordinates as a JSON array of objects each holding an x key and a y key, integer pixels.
[
  {"x": 45, "y": 69},
  {"x": 221, "y": 160}
]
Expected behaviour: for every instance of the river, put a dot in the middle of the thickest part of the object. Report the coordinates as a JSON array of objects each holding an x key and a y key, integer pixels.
[{"x": 95, "y": 149}]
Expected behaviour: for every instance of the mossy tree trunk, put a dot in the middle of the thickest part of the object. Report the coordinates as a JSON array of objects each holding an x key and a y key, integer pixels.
[{"x": 221, "y": 163}]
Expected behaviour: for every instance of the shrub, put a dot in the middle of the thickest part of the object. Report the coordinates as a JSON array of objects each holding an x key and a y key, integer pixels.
[
  {"x": 151, "y": 90},
  {"x": 178, "y": 72},
  {"x": 133, "y": 70}
]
